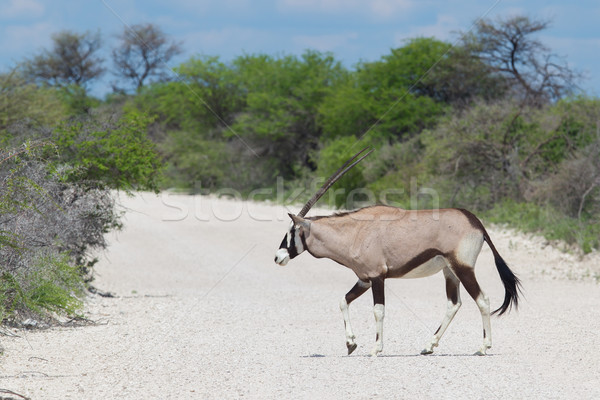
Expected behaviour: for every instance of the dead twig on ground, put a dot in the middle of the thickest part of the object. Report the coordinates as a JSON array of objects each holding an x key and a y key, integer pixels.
[{"x": 6, "y": 391}]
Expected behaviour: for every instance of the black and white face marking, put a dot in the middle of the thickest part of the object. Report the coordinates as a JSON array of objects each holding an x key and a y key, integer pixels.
[{"x": 291, "y": 245}]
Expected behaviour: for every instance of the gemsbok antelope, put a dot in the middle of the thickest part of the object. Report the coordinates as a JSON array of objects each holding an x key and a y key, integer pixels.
[{"x": 381, "y": 242}]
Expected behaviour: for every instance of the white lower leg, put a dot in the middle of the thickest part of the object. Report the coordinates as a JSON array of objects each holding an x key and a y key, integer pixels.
[
  {"x": 484, "y": 306},
  {"x": 379, "y": 311},
  {"x": 451, "y": 311},
  {"x": 350, "y": 343}
]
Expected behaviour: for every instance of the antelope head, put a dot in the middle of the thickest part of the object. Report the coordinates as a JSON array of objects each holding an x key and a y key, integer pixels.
[{"x": 294, "y": 241}]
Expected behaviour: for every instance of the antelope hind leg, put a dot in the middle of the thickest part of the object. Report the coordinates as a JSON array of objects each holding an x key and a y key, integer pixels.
[
  {"x": 467, "y": 278},
  {"x": 454, "y": 303}
]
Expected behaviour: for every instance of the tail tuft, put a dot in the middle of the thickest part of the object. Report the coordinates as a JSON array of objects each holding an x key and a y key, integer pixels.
[{"x": 512, "y": 284}]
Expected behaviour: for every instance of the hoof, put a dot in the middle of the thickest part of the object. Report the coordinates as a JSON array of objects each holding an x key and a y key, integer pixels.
[
  {"x": 425, "y": 352},
  {"x": 351, "y": 347},
  {"x": 376, "y": 352},
  {"x": 479, "y": 353}
]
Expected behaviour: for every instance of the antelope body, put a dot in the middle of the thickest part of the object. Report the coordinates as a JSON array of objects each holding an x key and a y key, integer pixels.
[{"x": 383, "y": 242}]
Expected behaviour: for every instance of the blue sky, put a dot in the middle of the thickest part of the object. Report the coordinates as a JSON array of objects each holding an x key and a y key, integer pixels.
[{"x": 352, "y": 30}]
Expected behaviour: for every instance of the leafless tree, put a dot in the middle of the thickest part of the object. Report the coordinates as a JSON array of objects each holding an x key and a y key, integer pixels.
[
  {"x": 72, "y": 60},
  {"x": 508, "y": 45},
  {"x": 143, "y": 53}
]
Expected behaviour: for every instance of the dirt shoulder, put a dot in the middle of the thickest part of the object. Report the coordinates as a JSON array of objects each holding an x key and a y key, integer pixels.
[{"x": 203, "y": 312}]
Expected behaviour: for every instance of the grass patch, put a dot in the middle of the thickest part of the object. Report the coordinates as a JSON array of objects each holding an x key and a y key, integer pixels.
[
  {"x": 49, "y": 287},
  {"x": 551, "y": 224}
]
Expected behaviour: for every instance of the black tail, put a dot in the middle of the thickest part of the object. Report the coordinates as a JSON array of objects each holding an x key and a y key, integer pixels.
[{"x": 512, "y": 285}]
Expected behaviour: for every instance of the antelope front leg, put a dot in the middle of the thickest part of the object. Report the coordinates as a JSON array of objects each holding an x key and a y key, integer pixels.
[
  {"x": 350, "y": 343},
  {"x": 379, "y": 312},
  {"x": 355, "y": 292}
]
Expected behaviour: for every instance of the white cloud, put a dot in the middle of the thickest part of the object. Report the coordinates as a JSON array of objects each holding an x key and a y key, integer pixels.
[
  {"x": 318, "y": 5},
  {"x": 380, "y": 9},
  {"x": 21, "y": 9},
  {"x": 205, "y": 7},
  {"x": 512, "y": 12},
  {"x": 389, "y": 8},
  {"x": 226, "y": 41},
  {"x": 324, "y": 42},
  {"x": 26, "y": 37},
  {"x": 444, "y": 29}
]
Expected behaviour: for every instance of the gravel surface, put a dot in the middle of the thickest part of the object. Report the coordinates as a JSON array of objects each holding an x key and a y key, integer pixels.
[{"x": 202, "y": 312}]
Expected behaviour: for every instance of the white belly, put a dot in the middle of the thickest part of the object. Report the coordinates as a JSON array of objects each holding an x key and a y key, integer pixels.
[{"x": 431, "y": 267}]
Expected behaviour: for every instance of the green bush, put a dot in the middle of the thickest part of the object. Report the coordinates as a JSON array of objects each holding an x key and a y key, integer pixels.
[
  {"x": 193, "y": 161},
  {"x": 22, "y": 102},
  {"x": 331, "y": 157},
  {"x": 107, "y": 153},
  {"x": 395, "y": 171},
  {"x": 48, "y": 226}
]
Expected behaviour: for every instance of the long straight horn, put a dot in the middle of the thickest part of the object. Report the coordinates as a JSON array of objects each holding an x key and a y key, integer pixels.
[{"x": 333, "y": 179}]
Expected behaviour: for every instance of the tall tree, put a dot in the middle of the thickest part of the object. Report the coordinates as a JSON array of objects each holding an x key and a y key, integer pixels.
[
  {"x": 73, "y": 60},
  {"x": 143, "y": 53},
  {"x": 281, "y": 115},
  {"x": 388, "y": 98},
  {"x": 509, "y": 46}
]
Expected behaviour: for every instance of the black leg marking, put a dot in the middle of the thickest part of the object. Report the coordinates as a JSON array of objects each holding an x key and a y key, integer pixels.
[
  {"x": 378, "y": 291},
  {"x": 357, "y": 290},
  {"x": 467, "y": 278},
  {"x": 452, "y": 289},
  {"x": 378, "y": 309}
]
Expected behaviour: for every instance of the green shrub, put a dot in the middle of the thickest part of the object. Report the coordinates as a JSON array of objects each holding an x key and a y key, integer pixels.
[
  {"x": 193, "y": 160},
  {"x": 48, "y": 226},
  {"x": 106, "y": 153},
  {"x": 331, "y": 157}
]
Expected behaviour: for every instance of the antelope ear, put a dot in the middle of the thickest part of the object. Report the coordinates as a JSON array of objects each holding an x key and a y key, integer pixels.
[{"x": 301, "y": 222}]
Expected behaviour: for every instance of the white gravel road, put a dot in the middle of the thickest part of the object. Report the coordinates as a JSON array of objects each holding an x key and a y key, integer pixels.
[{"x": 202, "y": 312}]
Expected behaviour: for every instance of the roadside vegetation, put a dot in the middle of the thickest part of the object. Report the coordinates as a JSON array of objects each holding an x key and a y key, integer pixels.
[
  {"x": 495, "y": 123},
  {"x": 57, "y": 171}
]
